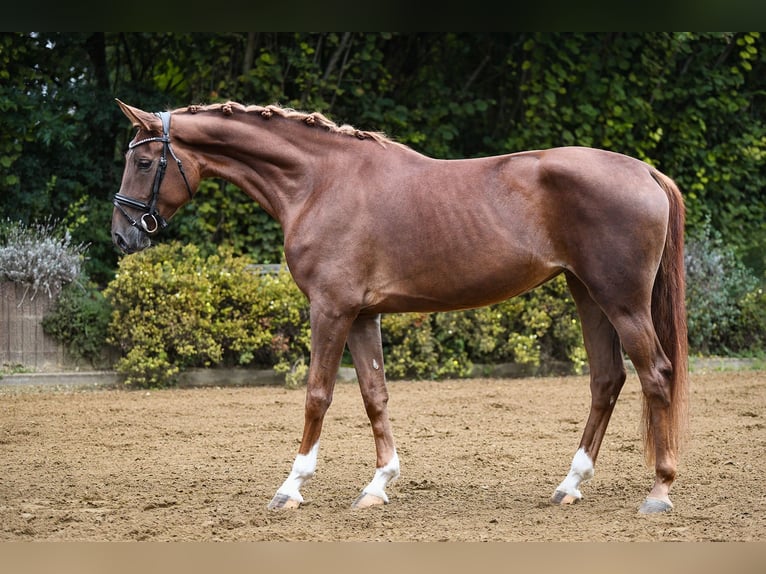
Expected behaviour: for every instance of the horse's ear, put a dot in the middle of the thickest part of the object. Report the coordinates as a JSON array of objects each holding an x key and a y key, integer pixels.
[{"x": 140, "y": 119}]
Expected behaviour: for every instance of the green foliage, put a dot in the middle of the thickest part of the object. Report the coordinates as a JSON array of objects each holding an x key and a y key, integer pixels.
[
  {"x": 80, "y": 319},
  {"x": 174, "y": 309},
  {"x": 57, "y": 146},
  {"x": 222, "y": 215},
  {"x": 538, "y": 328},
  {"x": 295, "y": 375},
  {"x": 749, "y": 336},
  {"x": 13, "y": 55},
  {"x": 722, "y": 298},
  {"x": 690, "y": 103}
]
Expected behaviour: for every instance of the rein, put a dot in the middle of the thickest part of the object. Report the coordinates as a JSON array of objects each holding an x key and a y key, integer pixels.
[{"x": 151, "y": 221}]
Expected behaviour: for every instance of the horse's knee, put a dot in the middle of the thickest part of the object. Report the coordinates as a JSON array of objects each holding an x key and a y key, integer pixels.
[
  {"x": 375, "y": 402},
  {"x": 318, "y": 400}
]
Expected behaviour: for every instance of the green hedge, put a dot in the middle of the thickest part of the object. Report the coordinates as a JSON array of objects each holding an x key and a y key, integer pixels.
[
  {"x": 537, "y": 329},
  {"x": 726, "y": 304},
  {"x": 80, "y": 320},
  {"x": 174, "y": 308}
]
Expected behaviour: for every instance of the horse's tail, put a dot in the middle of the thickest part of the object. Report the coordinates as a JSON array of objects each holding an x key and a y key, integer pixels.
[{"x": 669, "y": 317}]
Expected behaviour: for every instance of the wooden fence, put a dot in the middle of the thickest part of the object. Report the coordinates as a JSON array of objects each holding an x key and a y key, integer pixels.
[{"x": 23, "y": 343}]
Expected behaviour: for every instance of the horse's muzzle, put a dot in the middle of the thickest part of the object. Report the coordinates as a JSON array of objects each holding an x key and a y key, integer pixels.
[{"x": 130, "y": 240}]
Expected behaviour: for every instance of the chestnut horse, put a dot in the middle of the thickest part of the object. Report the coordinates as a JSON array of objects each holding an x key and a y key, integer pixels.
[{"x": 372, "y": 226}]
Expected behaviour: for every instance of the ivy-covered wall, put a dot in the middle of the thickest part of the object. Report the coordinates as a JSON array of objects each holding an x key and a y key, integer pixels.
[{"x": 693, "y": 104}]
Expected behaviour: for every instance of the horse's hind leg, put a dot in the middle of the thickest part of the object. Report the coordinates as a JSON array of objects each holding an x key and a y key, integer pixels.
[
  {"x": 364, "y": 342},
  {"x": 655, "y": 373},
  {"x": 607, "y": 376},
  {"x": 633, "y": 323}
]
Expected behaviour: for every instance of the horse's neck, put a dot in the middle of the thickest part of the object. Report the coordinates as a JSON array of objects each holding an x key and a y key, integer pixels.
[{"x": 268, "y": 159}]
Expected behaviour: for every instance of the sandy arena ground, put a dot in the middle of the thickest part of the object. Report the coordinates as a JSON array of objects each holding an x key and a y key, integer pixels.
[{"x": 480, "y": 459}]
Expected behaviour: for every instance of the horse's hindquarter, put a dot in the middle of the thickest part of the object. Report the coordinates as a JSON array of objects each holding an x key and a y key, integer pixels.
[{"x": 607, "y": 216}]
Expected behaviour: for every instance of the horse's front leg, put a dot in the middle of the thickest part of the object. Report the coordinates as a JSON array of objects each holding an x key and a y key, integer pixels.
[
  {"x": 328, "y": 338},
  {"x": 364, "y": 342}
]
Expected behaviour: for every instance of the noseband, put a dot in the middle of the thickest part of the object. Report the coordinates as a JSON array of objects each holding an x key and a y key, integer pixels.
[{"x": 151, "y": 221}]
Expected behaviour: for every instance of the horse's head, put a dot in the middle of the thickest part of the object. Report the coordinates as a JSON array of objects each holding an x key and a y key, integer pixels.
[{"x": 150, "y": 193}]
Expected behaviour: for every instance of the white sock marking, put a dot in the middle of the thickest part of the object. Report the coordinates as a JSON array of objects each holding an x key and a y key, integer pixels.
[
  {"x": 383, "y": 476},
  {"x": 581, "y": 471},
  {"x": 303, "y": 469}
]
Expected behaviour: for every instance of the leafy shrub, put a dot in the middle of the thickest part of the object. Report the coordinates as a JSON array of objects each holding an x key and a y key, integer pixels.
[
  {"x": 409, "y": 348},
  {"x": 295, "y": 375},
  {"x": 40, "y": 256},
  {"x": 534, "y": 329},
  {"x": 79, "y": 319},
  {"x": 174, "y": 309},
  {"x": 718, "y": 290},
  {"x": 750, "y": 335}
]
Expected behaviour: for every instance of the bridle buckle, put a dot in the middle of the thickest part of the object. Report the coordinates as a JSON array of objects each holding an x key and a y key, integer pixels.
[{"x": 155, "y": 226}]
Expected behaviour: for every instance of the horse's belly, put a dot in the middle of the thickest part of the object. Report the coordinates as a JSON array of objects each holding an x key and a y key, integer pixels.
[{"x": 441, "y": 287}]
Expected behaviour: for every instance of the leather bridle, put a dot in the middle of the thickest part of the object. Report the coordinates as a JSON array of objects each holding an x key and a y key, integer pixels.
[{"x": 151, "y": 221}]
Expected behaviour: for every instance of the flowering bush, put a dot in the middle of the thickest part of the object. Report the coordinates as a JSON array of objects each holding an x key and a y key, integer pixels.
[{"x": 40, "y": 256}]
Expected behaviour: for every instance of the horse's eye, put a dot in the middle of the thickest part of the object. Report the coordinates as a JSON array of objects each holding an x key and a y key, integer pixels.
[{"x": 144, "y": 164}]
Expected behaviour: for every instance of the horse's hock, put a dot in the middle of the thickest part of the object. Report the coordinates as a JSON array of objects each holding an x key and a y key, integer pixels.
[{"x": 23, "y": 343}]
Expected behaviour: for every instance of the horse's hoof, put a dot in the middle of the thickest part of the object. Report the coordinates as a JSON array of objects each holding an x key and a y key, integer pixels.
[
  {"x": 281, "y": 501},
  {"x": 655, "y": 505},
  {"x": 562, "y": 498},
  {"x": 365, "y": 500}
]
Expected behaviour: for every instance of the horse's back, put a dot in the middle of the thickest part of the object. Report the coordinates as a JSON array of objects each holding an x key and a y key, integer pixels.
[{"x": 445, "y": 234}]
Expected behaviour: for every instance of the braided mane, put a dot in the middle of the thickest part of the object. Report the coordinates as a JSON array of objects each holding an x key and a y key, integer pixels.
[{"x": 310, "y": 119}]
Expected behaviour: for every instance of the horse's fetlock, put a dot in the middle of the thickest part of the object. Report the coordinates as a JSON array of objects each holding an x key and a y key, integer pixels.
[{"x": 666, "y": 471}]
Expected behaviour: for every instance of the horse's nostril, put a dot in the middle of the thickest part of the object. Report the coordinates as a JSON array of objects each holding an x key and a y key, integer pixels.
[{"x": 120, "y": 242}]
